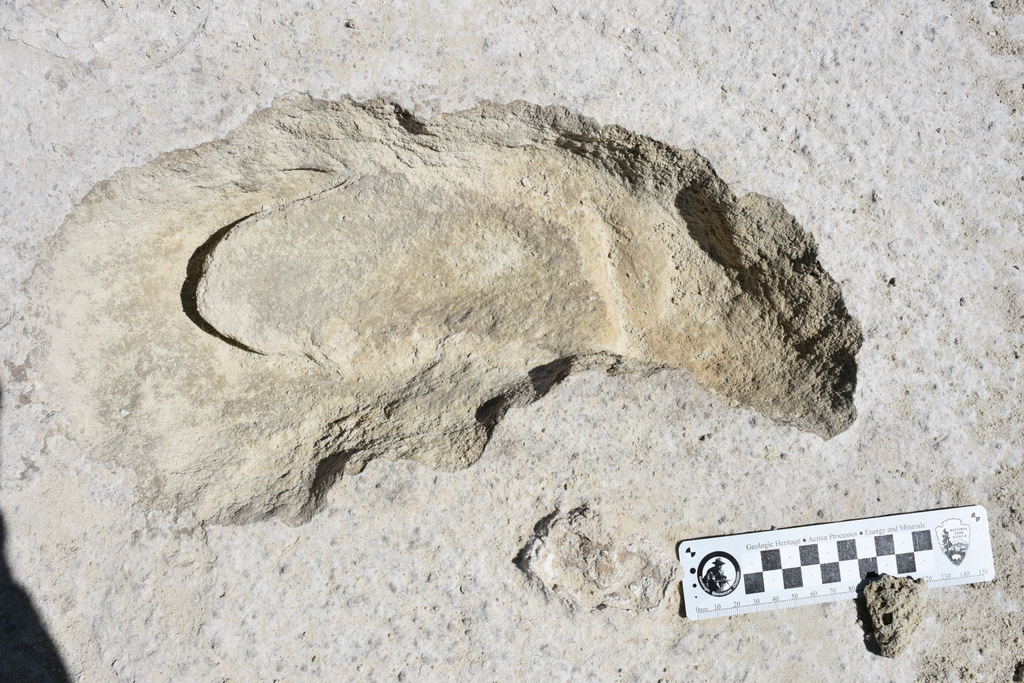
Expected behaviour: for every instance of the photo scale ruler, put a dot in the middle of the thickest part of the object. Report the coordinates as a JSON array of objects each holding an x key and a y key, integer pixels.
[{"x": 768, "y": 570}]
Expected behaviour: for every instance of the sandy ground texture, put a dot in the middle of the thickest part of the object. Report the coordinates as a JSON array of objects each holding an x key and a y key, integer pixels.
[{"x": 892, "y": 132}]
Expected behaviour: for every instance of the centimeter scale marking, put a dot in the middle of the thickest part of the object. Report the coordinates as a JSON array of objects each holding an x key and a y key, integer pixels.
[{"x": 768, "y": 570}]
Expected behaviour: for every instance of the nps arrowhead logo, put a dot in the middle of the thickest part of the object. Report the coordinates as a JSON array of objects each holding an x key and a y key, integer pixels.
[{"x": 954, "y": 539}]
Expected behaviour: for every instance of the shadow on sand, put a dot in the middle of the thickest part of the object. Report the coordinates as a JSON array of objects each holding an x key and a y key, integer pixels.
[{"x": 27, "y": 653}]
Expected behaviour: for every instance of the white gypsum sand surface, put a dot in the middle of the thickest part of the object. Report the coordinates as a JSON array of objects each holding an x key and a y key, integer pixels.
[{"x": 891, "y": 133}]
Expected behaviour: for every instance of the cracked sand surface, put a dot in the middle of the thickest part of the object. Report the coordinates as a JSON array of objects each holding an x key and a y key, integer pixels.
[{"x": 891, "y": 132}]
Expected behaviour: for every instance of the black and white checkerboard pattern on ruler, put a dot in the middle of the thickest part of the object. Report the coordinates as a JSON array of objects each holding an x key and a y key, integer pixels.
[{"x": 844, "y": 562}]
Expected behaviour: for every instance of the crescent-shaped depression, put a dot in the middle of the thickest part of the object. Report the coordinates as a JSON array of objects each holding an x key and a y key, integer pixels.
[{"x": 334, "y": 282}]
